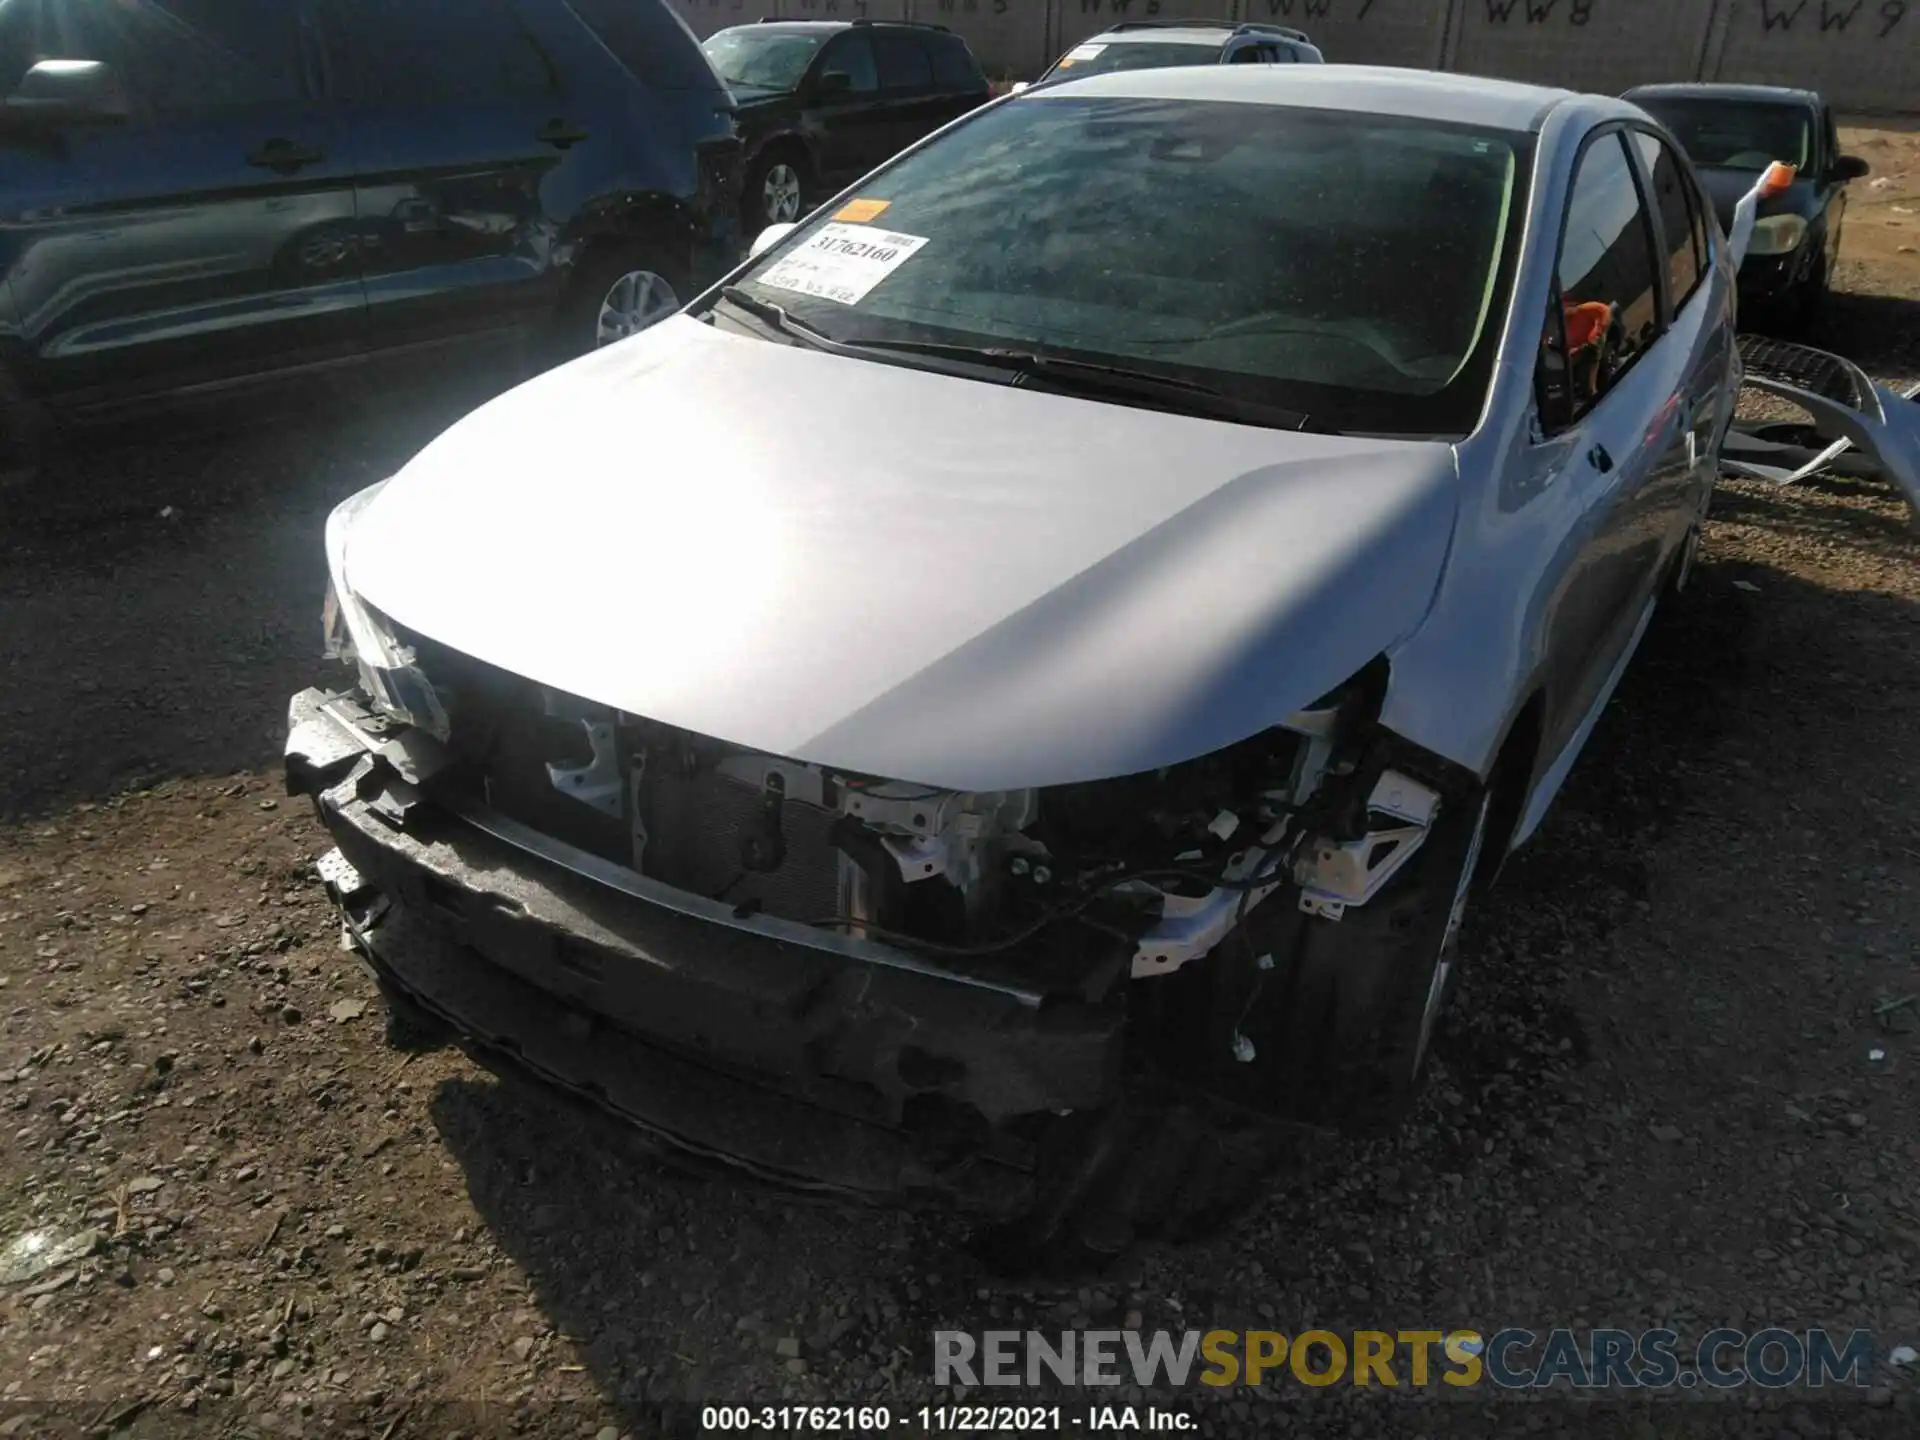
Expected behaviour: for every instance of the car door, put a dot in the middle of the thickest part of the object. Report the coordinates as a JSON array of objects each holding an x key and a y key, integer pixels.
[
  {"x": 201, "y": 240},
  {"x": 851, "y": 130},
  {"x": 1604, "y": 426},
  {"x": 470, "y": 151},
  {"x": 1697, "y": 354}
]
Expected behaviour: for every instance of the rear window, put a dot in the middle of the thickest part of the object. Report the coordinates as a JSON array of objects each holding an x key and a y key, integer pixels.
[
  {"x": 650, "y": 40},
  {"x": 954, "y": 67},
  {"x": 433, "y": 51},
  {"x": 902, "y": 60}
]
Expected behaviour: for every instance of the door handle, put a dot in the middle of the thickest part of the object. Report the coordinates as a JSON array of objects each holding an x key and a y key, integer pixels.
[
  {"x": 284, "y": 156},
  {"x": 1600, "y": 459},
  {"x": 559, "y": 134}
]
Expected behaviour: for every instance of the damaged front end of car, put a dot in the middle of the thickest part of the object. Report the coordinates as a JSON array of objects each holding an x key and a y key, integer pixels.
[{"x": 836, "y": 980}]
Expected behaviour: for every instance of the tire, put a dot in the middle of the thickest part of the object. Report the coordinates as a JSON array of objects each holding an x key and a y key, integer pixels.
[
  {"x": 1342, "y": 1041},
  {"x": 1800, "y": 312},
  {"x": 1352, "y": 1029},
  {"x": 619, "y": 289},
  {"x": 776, "y": 192}
]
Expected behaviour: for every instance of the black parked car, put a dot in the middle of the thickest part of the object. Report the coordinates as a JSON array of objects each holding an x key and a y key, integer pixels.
[
  {"x": 198, "y": 195},
  {"x": 823, "y": 102},
  {"x": 1732, "y": 133}
]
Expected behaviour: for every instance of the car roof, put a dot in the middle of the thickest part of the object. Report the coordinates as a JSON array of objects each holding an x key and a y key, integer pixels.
[
  {"x": 803, "y": 27},
  {"x": 1165, "y": 35},
  {"x": 1379, "y": 89},
  {"x": 1779, "y": 94}
]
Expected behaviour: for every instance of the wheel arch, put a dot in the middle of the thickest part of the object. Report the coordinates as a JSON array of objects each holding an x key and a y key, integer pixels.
[
  {"x": 1511, "y": 778},
  {"x": 636, "y": 217}
]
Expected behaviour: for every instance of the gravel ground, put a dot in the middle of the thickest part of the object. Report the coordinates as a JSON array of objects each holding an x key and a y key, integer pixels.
[{"x": 1680, "y": 1086}]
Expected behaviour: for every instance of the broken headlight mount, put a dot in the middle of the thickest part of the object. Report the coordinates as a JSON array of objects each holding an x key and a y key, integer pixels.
[
  {"x": 354, "y": 632},
  {"x": 1368, "y": 822}
]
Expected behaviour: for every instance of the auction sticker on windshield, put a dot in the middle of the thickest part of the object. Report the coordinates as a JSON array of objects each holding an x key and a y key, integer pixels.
[{"x": 843, "y": 262}]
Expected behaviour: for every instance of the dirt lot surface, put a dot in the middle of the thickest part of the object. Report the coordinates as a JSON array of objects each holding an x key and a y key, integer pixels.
[{"x": 1682, "y": 1083}]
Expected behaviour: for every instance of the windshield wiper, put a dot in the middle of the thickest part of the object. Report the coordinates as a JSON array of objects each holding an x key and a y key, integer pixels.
[
  {"x": 1090, "y": 377},
  {"x": 1083, "y": 377},
  {"x": 775, "y": 317}
]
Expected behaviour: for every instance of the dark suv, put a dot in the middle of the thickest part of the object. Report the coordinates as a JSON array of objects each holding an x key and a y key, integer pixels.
[
  {"x": 1732, "y": 133},
  {"x": 207, "y": 194},
  {"x": 823, "y": 102}
]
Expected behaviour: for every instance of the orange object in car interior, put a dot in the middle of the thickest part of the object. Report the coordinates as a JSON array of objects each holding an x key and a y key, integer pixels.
[{"x": 1586, "y": 323}]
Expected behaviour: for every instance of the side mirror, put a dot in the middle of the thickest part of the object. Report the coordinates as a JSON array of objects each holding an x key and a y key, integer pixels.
[
  {"x": 1851, "y": 167},
  {"x": 832, "y": 83},
  {"x": 57, "y": 92},
  {"x": 769, "y": 237}
]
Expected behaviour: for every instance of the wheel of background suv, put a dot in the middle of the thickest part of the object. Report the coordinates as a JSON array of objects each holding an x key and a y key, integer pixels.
[
  {"x": 618, "y": 291},
  {"x": 775, "y": 191},
  {"x": 1803, "y": 305},
  {"x": 1357, "y": 1016}
]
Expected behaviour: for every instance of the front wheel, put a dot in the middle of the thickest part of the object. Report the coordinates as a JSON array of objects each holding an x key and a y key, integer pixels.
[
  {"x": 1356, "y": 1019},
  {"x": 775, "y": 192},
  {"x": 618, "y": 291}
]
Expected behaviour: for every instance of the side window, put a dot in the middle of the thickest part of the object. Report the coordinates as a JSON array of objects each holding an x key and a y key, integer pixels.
[
  {"x": 1675, "y": 218},
  {"x": 1247, "y": 55},
  {"x": 852, "y": 55},
  {"x": 650, "y": 39},
  {"x": 953, "y": 64},
  {"x": 1607, "y": 309},
  {"x": 429, "y": 51},
  {"x": 902, "y": 61},
  {"x": 173, "y": 55}
]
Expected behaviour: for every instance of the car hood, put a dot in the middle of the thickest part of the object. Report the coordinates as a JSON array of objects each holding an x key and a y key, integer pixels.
[
  {"x": 898, "y": 572},
  {"x": 1725, "y": 189},
  {"x": 754, "y": 102}
]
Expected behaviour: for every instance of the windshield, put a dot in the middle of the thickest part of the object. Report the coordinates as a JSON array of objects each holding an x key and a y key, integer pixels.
[
  {"x": 763, "y": 59},
  {"x": 1736, "y": 134},
  {"x": 1343, "y": 265},
  {"x": 1096, "y": 58}
]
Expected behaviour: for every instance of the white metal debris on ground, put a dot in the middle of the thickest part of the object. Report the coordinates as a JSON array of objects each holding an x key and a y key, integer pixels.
[{"x": 34, "y": 1252}]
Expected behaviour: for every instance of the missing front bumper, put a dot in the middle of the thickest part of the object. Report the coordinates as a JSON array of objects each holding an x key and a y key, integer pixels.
[{"x": 800, "y": 1056}]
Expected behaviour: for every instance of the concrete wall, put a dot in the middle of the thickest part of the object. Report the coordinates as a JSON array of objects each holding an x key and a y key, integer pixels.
[
  {"x": 1599, "y": 45},
  {"x": 1865, "y": 54}
]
